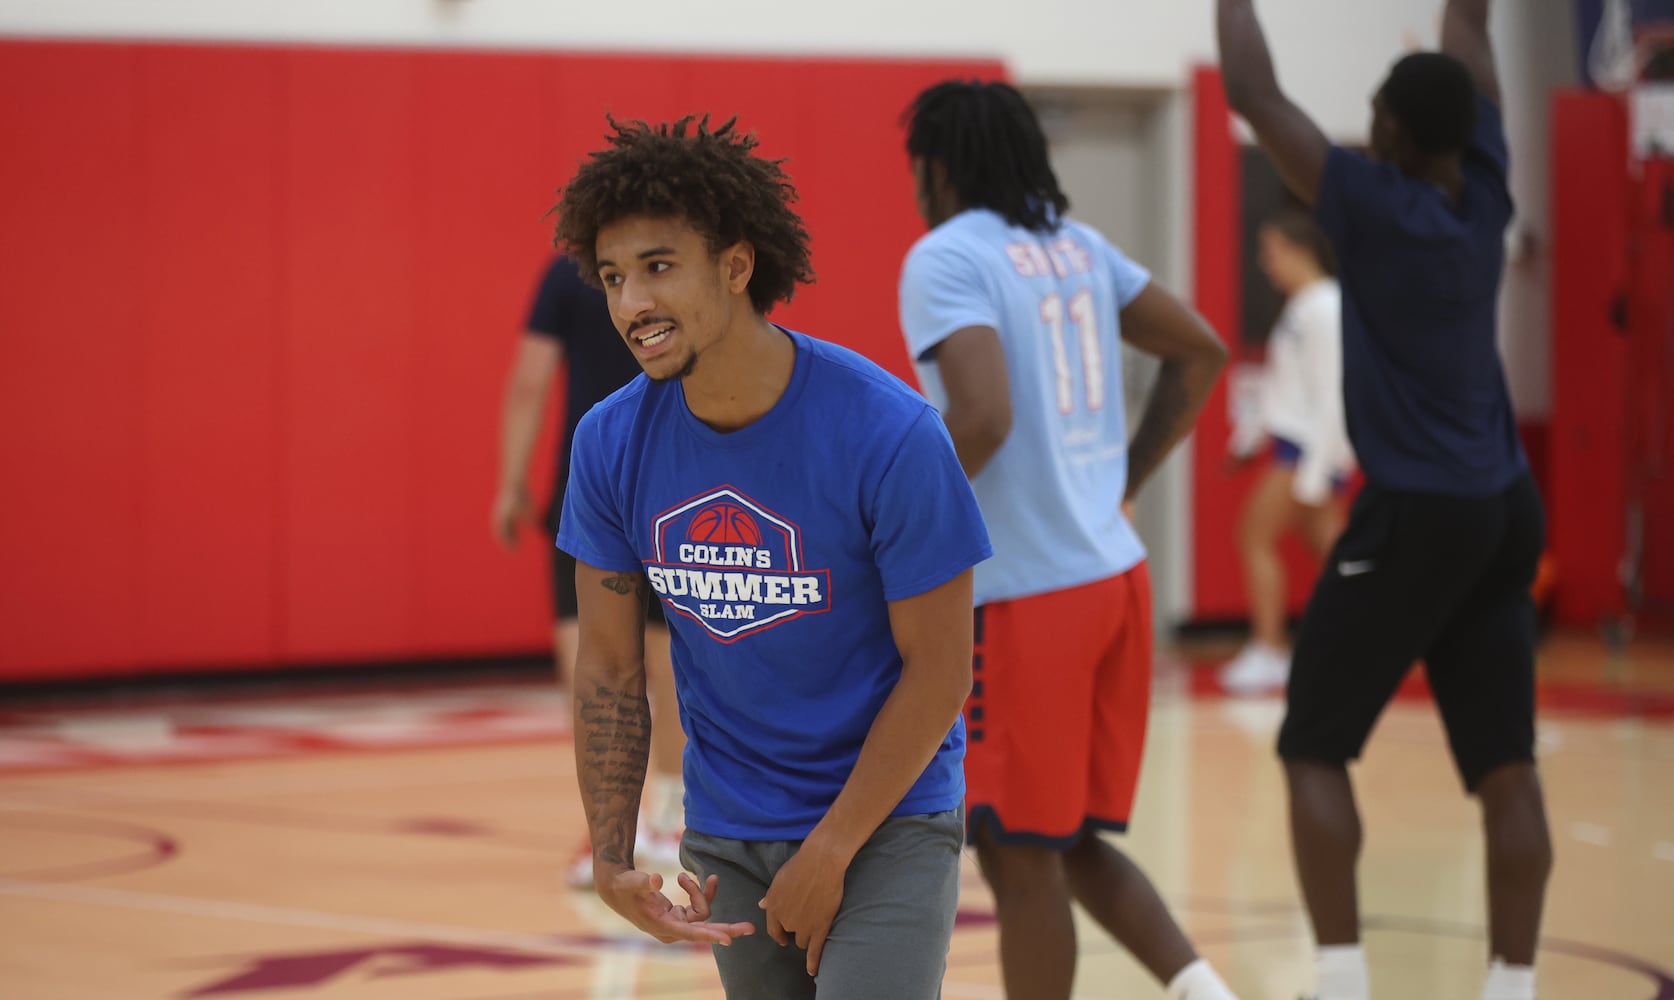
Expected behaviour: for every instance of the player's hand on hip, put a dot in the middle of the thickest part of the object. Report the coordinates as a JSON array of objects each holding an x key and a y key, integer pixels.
[
  {"x": 638, "y": 896},
  {"x": 803, "y": 901},
  {"x": 511, "y": 508}
]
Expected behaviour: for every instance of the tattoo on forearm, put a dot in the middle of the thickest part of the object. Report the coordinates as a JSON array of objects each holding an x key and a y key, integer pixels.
[
  {"x": 613, "y": 744},
  {"x": 1165, "y": 421}
]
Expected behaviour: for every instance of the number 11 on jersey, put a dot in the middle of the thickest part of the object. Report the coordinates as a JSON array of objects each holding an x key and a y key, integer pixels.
[{"x": 1085, "y": 321}]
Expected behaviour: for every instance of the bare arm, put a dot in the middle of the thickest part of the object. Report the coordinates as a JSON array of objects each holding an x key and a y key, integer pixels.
[
  {"x": 612, "y": 747},
  {"x": 933, "y": 632},
  {"x": 526, "y": 391},
  {"x": 1465, "y": 37},
  {"x": 1192, "y": 357},
  {"x": 972, "y": 363},
  {"x": 612, "y": 715},
  {"x": 1295, "y": 144}
]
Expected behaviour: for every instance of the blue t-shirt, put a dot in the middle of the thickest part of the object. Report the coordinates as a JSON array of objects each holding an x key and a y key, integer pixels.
[
  {"x": 776, "y": 550},
  {"x": 1052, "y": 494},
  {"x": 1423, "y": 388}
]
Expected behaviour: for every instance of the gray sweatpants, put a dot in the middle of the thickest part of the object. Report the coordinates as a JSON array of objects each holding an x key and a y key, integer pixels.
[{"x": 891, "y": 935}]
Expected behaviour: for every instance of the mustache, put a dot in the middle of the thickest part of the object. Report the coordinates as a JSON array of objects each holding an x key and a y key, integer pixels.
[{"x": 653, "y": 321}]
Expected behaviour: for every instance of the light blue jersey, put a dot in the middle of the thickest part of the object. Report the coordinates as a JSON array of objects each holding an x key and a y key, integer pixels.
[{"x": 1052, "y": 494}]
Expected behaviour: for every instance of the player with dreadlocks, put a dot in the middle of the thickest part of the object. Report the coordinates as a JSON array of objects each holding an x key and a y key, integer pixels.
[
  {"x": 1015, "y": 315},
  {"x": 802, "y": 517}
]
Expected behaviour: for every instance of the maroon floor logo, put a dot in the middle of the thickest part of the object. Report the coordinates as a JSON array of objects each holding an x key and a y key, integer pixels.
[{"x": 295, "y": 972}]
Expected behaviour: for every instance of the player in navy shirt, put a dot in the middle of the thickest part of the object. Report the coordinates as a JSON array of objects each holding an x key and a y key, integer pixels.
[
  {"x": 570, "y": 323},
  {"x": 1441, "y": 547},
  {"x": 803, "y": 519}
]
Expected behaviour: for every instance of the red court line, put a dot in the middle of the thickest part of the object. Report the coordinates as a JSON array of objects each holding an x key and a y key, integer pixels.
[{"x": 159, "y": 848}]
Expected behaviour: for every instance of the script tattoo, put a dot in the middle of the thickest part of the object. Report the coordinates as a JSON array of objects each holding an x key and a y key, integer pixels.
[{"x": 613, "y": 737}]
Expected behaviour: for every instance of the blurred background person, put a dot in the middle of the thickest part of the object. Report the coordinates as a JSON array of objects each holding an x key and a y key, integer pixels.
[
  {"x": 569, "y": 320},
  {"x": 1298, "y": 417}
]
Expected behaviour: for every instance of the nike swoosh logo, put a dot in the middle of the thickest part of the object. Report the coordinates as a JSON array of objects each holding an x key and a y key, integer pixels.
[{"x": 1356, "y": 567}]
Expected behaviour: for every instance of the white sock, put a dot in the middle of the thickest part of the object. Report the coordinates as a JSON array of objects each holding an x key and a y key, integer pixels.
[
  {"x": 1509, "y": 982},
  {"x": 1198, "y": 981},
  {"x": 1342, "y": 973},
  {"x": 665, "y": 806}
]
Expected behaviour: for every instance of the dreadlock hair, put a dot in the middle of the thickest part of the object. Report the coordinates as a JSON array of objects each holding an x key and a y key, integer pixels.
[
  {"x": 1431, "y": 94},
  {"x": 707, "y": 176},
  {"x": 990, "y": 142},
  {"x": 1299, "y": 228}
]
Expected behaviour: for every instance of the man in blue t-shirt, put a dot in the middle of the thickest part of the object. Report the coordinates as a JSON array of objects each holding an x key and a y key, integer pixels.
[
  {"x": 803, "y": 519},
  {"x": 1441, "y": 547}
]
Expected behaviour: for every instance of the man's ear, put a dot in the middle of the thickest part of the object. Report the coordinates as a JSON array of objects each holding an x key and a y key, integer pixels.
[{"x": 738, "y": 264}]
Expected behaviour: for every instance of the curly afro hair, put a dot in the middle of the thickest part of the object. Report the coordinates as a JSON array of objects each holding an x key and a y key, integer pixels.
[{"x": 707, "y": 176}]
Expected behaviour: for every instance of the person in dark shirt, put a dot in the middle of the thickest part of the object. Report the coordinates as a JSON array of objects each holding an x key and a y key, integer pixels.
[
  {"x": 569, "y": 321},
  {"x": 1442, "y": 545}
]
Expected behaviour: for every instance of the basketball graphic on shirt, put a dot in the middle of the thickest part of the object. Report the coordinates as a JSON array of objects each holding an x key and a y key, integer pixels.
[
  {"x": 734, "y": 566},
  {"x": 725, "y": 524}
]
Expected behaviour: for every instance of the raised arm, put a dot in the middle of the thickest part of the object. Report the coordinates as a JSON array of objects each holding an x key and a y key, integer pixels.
[
  {"x": 1295, "y": 144},
  {"x": 1192, "y": 357},
  {"x": 1465, "y": 38}
]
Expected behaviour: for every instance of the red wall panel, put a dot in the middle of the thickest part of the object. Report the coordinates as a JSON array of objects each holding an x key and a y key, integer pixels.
[
  {"x": 1590, "y": 211},
  {"x": 210, "y": 202},
  {"x": 72, "y": 350},
  {"x": 348, "y": 460},
  {"x": 1217, "y": 580},
  {"x": 260, "y": 305},
  {"x": 484, "y": 179},
  {"x": 1650, "y": 414}
]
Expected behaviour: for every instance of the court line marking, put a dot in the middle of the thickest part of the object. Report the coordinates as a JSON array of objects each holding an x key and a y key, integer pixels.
[
  {"x": 274, "y": 817},
  {"x": 377, "y": 927},
  {"x": 381, "y": 927},
  {"x": 287, "y": 785},
  {"x": 1595, "y": 834}
]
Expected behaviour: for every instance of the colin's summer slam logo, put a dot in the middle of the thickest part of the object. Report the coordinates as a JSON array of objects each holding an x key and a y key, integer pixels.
[{"x": 733, "y": 566}]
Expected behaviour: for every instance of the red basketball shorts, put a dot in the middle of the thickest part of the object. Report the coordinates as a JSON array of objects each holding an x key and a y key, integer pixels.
[{"x": 1061, "y": 691}]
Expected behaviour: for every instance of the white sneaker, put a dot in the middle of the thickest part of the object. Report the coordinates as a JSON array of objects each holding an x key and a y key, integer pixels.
[
  {"x": 1257, "y": 669},
  {"x": 653, "y": 852}
]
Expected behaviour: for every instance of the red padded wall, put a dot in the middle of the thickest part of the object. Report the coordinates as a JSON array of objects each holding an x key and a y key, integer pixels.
[
  {"x": 1590, "y": 213},
  {"x": 260, "y": 302},
  {"x": 73, "y": 349},
  {"x": 474, "y": 204},
  {"x": 1650, "y": 419},
  {"x": 351, "y": 448},
  {"x": 208, "y": 258},
  {"x": 1217, "y": 577}
]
